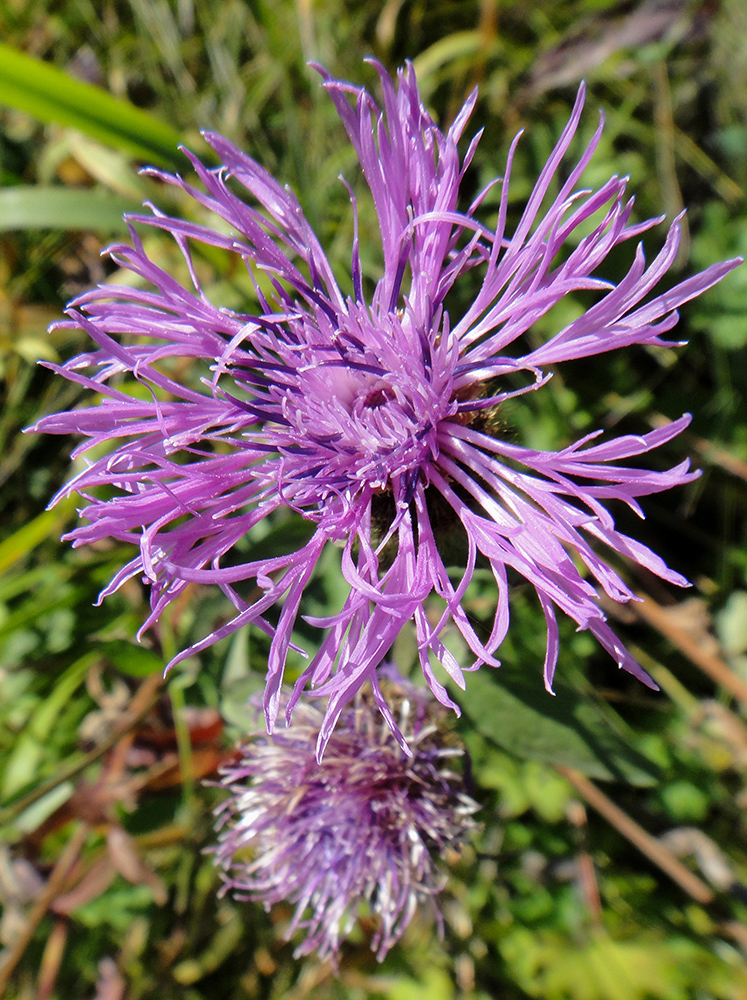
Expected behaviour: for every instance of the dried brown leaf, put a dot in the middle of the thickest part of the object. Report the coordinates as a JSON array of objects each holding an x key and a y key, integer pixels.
[{"x": 129, "y": 864}]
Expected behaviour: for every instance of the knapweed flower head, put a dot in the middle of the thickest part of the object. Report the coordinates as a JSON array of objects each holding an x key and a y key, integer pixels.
[
  {"x": 367, "y": 414},
  {"x": 368, "y": 825}
]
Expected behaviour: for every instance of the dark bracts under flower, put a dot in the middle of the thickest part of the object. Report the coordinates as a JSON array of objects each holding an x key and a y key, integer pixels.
[
  {"x": 324, "y": 403},
  {"x": 367, "y": 824}
]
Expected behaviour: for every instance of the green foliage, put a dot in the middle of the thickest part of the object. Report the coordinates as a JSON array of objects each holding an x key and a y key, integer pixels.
[
  {"x": 549, "y": 901},
  {"x": 722, "y": 233},
  {"x": 51, "y": 95},
  {"x": 39, "y": 207},
  {"x": 513, "y": 710},
  {"x": 603, "y": 969}
]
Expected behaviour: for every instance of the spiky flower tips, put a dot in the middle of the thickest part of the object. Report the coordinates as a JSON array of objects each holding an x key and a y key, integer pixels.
[
  {"x": 345, "y": 408},
  {"x": 368, "y": 827}
]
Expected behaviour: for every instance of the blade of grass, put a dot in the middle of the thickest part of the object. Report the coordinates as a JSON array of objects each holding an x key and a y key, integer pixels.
[
  {"x": 37, "y": 206},
  {"x": 41, "y": 89},
  {"x": 47, "y": 524}
]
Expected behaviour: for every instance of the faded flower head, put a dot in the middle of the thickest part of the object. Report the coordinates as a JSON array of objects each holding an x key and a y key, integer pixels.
[
  {"x": 367, "y": 824},
  {"x": 366, "y": 415}
]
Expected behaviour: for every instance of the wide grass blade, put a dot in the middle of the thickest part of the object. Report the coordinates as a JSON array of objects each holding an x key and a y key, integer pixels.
[
  {"x": 43, "y": 207},
  {"x": 41, "y": 89}
]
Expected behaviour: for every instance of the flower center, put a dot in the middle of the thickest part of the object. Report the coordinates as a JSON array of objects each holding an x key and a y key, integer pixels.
[
  {"x": 361, "y": 407},
  {"x": 375, "y": 398}
]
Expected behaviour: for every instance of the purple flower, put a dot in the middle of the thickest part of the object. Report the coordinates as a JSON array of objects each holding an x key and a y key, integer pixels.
[
  {"x": 366, "y": 417},
  {"x": 369, "y": 823}
]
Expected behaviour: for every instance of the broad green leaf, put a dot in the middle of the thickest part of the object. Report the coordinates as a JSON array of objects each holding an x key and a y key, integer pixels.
[
  {"x": 513, "y": 709},
  {"x": 41, "y": 89},
  {"x": 284, "y": 537},
  {"x": 136, "y": 661},
  {"x": 40, "y": 207}
]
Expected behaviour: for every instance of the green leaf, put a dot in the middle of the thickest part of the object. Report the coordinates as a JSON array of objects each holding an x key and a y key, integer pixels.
[
  {"x": 550, "y": 966},
  {"x": 434, "y": 983},
  {"x": 44, "y": 601},
  {"x": 731, "y": 623},
  {"x": 136, "y": 661},
  {"x": 33, "y": 817},
  {"x": 117, "y": 908},
  {"x": 19, "y": 769},
  {"x": 287, "y": 535},
  {"x": 41, "y": 89},
  {"x": 456, "y": 45},
  {"x": 48, "y": 524},
  {"x": 33, "y": 744},
  {"x": 513, "y": 710},
  {"x": 685, "y": 802},
  {"x": 50, "y": 708},
  {"x": 111, "y": 168},
  {"x": 40, "y": 207}
]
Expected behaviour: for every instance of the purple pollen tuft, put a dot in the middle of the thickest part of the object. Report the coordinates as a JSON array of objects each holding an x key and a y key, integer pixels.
[{"x": 345, "y": 410}]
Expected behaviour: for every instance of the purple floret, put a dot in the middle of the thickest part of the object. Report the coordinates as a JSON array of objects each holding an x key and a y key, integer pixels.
[
  {"x": 353, "y": 412},
  {"x": 369, "y": 824}
]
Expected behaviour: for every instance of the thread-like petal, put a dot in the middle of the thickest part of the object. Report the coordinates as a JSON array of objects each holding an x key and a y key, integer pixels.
[{"x": 367, "y": 417}]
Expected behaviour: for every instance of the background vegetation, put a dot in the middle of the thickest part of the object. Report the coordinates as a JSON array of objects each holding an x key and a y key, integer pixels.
[{"x": 612, "y": 860}]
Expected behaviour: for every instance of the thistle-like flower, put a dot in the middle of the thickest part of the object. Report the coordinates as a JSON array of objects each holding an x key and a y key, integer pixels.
[
  {"x": 357, "y": 412},
  {"x": 368, "y": 824}
]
